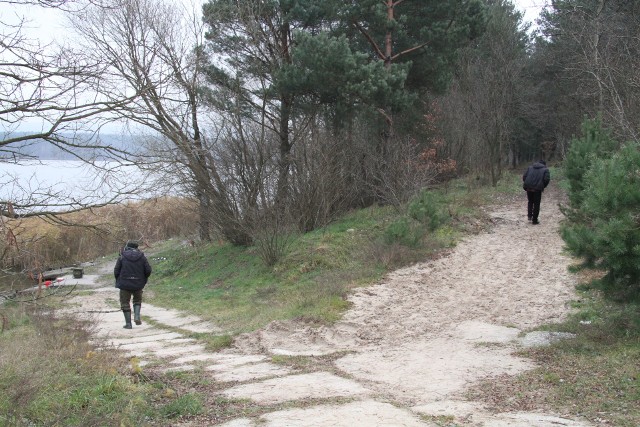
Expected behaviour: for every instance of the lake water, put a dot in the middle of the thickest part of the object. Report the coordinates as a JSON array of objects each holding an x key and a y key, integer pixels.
[{"x": 54, "y": 185}]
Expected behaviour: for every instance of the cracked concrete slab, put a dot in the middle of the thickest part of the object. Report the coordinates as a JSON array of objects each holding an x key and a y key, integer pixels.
[
  {"x": 316, "y": 385},
  {"x": 249, "y": 372}
]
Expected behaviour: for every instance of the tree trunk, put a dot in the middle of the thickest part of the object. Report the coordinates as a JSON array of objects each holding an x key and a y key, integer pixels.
[
  {"x": 286, "y": 102},
  {"x": 284, "y": 165},
  {"x": 204, "y": 214}
]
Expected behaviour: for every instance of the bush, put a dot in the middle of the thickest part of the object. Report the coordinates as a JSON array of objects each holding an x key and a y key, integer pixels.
[
  {"x": 605, "y": 229},
  {"x": 596, "y": 143},
  {"x": 425, "y": 213},
  {"x": 405, "y": 232},
  {"x": 428, "y": 209}
]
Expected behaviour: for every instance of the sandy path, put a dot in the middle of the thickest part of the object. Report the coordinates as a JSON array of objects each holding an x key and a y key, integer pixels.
[
  {"x": 428, "y": 331},
  {"x": 407, "y": 349}
]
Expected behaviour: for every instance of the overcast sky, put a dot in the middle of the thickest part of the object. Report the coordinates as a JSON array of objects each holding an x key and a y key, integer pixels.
[
  {"x": 531, "y": 8},
  {"x": 47, "y": 22}
]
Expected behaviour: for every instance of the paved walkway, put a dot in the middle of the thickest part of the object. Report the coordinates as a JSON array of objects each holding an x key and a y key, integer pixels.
[{"x": 162, "y": 341}]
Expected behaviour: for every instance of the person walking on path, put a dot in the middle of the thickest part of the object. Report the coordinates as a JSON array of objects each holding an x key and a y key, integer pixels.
[
  {"x": 534, "y": 180},
  {"x": 132, "y": 271}
]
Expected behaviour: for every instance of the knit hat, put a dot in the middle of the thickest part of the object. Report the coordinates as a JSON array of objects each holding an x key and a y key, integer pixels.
[{"x": 131, "y": 244}]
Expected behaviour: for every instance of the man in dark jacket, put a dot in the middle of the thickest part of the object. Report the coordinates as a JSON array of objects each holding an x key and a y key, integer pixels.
[
  {"x": 535, "y": 179},
  {"x": 132, "y": 271}
]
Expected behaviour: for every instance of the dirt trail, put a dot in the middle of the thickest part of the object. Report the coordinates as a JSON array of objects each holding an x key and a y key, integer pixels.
[{"x": 407, "y": 349}]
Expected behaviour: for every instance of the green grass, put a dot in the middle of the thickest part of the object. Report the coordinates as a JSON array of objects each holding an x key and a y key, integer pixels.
[
  {"x": 231, "y": 286},
  {"x": 189, "y": 404}
]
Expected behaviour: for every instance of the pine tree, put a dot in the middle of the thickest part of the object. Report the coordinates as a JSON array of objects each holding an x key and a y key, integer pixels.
[
  {"x": 606, "y": 234},
  {"x": 595, "y": 143}
]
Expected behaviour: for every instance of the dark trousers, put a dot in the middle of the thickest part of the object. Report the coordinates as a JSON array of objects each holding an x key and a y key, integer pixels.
[
  {"x": 533, "y": 207},
  {"x": 125, "y": 298}
]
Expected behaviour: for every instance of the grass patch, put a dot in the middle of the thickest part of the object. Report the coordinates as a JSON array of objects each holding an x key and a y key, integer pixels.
[
  {"x": 440, "y": 420},
  {"x": 188, "y": 405},
  {"x": 308, "y": 364},
  {"x": 594, "y": 376},
  {"x": 51, "y": 375},
  {"x": 216, "y": 342},
  {"x": 233, "y": 288}
]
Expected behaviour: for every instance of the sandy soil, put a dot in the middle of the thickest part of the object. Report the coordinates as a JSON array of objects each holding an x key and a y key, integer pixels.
[{"x": 406, "y": 351}]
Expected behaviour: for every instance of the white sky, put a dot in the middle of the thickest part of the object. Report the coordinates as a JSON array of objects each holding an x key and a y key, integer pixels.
[
  {"x": 48, "y": 22},
  {"x": 531, "y": 8}
]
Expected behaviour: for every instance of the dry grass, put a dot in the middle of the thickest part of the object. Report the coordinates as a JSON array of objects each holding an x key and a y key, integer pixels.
[
  {"x": 51, "y": 375},
  {"x": 43, "y": 242}
]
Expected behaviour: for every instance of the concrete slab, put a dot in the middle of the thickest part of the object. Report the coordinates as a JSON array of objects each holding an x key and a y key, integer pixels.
[
  {"x": 177, "y": 319},
  {"x": 544, "y": 338},
  {"x": 316, "y": 385},
  {"x": 239, "y": 422},
  {"x": 229, "y": 361},
  {"x": 355, "y": 414},
  {"x": 152, "y": 346},
  {"x": 250, "y": 372},
  {"x": 196, "y": 358},
  {"x": 177, "y": 351},
  {"x": 181, "y": 368},
  {"x": 528, "y": 419},
  {"x": 161, "y": 336}
]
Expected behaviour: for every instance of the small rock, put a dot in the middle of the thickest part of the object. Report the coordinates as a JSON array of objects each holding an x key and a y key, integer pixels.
[{"x": 544, "y": 338}]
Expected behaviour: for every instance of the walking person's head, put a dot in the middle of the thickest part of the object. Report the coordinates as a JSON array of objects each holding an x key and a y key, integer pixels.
[{"x": 132, "y": 244}]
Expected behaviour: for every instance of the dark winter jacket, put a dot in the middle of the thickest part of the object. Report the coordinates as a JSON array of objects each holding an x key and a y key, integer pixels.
[
  {"x": 536, "y": 177},
  {"x": 132, "y": 270}
]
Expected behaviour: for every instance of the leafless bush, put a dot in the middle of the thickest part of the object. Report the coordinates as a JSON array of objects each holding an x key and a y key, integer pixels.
[
  {"x": 322, "y": 184},
  {"x": 246, "y": 161},
  {"x": 272, "y": 236},
  {"x": 399, "y": 171},
  {"x": 336, "y": 283},
  {"x": 391, "y": 255}
]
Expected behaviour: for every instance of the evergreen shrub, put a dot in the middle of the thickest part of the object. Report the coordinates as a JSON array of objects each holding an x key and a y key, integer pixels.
[
  {"x": 426, "y": 213},
  {"x": 404, "y": 231},
  {"x": 596, "y": 143},
  {"x": 603, "y": 221},
  {"x": 428, "y": 209}
]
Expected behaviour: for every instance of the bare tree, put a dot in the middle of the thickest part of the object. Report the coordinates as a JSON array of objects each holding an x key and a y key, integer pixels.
[
  {"x": 47, "y": 100},
  {"x": 483, "y": 101},
  {"x": 48, "y": 86},
  {"x": 591, "y": 51},
  {"x": 152, "y": 51}
]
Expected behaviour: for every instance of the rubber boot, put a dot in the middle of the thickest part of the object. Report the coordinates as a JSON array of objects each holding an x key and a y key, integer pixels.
[
  {"x": 127, "y": 319},
  {"x": 136, "y": 314}
]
